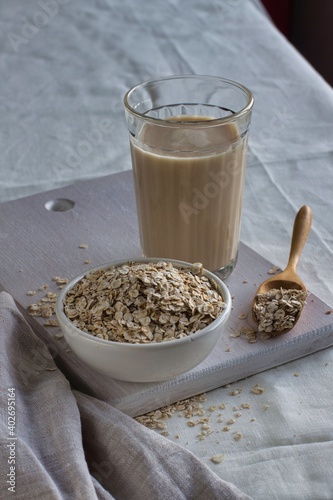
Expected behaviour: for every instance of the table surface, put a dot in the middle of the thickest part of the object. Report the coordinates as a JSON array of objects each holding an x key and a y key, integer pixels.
[{"x": 66, "y": 80}]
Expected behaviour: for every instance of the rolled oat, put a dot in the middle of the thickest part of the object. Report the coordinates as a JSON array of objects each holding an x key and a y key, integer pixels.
[
  {"x": 143, "y": 303},
  {"x": 278, "y": 309}
]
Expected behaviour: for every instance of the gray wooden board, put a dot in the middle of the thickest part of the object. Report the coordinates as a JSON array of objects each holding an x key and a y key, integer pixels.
[{"x": 38, "y": 244}]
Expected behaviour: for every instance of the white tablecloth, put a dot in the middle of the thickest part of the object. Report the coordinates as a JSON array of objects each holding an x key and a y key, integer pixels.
[{"x": 65, "y": 66}]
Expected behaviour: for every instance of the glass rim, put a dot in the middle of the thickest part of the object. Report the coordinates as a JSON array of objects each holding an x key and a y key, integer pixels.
[{"x": 212, "y": 122}]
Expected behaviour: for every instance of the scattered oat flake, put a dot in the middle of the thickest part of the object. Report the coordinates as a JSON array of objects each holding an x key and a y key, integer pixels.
[
  {"x": 217, "y": 459},
  {"x": 41, "y": 310},
  {"x": 296, "y": 374},
  {"x": 31, "y": 292},
  {"x": 187, "y": 408},
  {"x": 50, "y": 297},
  {"x": 243, "y": 316},
  {"x": 190, "y": 423},
  {"x": 330, "y": 311},
  {"x": 246, "y": 406},
  {"x": 247, "y": 331},
  {"x": 235, "y": 392},
  {"x": 43, "y": 287},
  {"x": 45, "y": 308},
  {"x": 257, "y": 389},
  {"x": 51, "y": 322},
  {"x": 228, "y": 349},
  {"x": 58, "y": 336},
  {"x": 226, "y": 429},
  {"x": 60, "y": 281},
  {"x": 274, "y": 270},
  {"x": 88, "y": 261},
  {"x": 83, "y": 245},
  {"x": 238, "y": 436}
]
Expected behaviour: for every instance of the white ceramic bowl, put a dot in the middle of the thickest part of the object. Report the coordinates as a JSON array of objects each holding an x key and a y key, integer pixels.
[{"x": 143, "y": 362}]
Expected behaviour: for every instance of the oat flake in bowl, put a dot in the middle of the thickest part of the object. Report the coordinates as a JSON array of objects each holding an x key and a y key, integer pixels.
[
  {"x": 166, "y": 318},
  {"x": 141, "y": 302}
]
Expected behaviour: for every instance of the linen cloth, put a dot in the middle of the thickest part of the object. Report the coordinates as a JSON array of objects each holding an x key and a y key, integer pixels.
[
  {"x": 68, "y": 445},
  {"x": 61, "y": 81}
]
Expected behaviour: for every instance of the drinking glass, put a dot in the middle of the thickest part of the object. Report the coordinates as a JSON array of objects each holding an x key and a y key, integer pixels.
[{"x": 188, "y": 141}]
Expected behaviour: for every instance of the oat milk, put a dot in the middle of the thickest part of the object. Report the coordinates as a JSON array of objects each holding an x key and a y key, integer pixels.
[{"x": 189, "y": 201}]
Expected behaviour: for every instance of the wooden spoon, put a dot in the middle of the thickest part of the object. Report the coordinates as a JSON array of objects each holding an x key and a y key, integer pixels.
[{"x": 288, "y": 279}]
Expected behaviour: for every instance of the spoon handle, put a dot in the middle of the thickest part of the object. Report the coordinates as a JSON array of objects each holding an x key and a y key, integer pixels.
[{"x": 301, "y": 229}]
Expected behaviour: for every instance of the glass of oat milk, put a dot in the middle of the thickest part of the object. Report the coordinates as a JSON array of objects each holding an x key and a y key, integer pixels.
[{"x": 188, "y": 140}]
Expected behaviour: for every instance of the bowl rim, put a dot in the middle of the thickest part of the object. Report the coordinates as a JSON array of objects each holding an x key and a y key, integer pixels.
[{"x": 64, "y": 321}]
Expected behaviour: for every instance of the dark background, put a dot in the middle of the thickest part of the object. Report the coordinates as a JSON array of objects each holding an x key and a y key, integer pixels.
[{"x": 308, "y": 25}]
